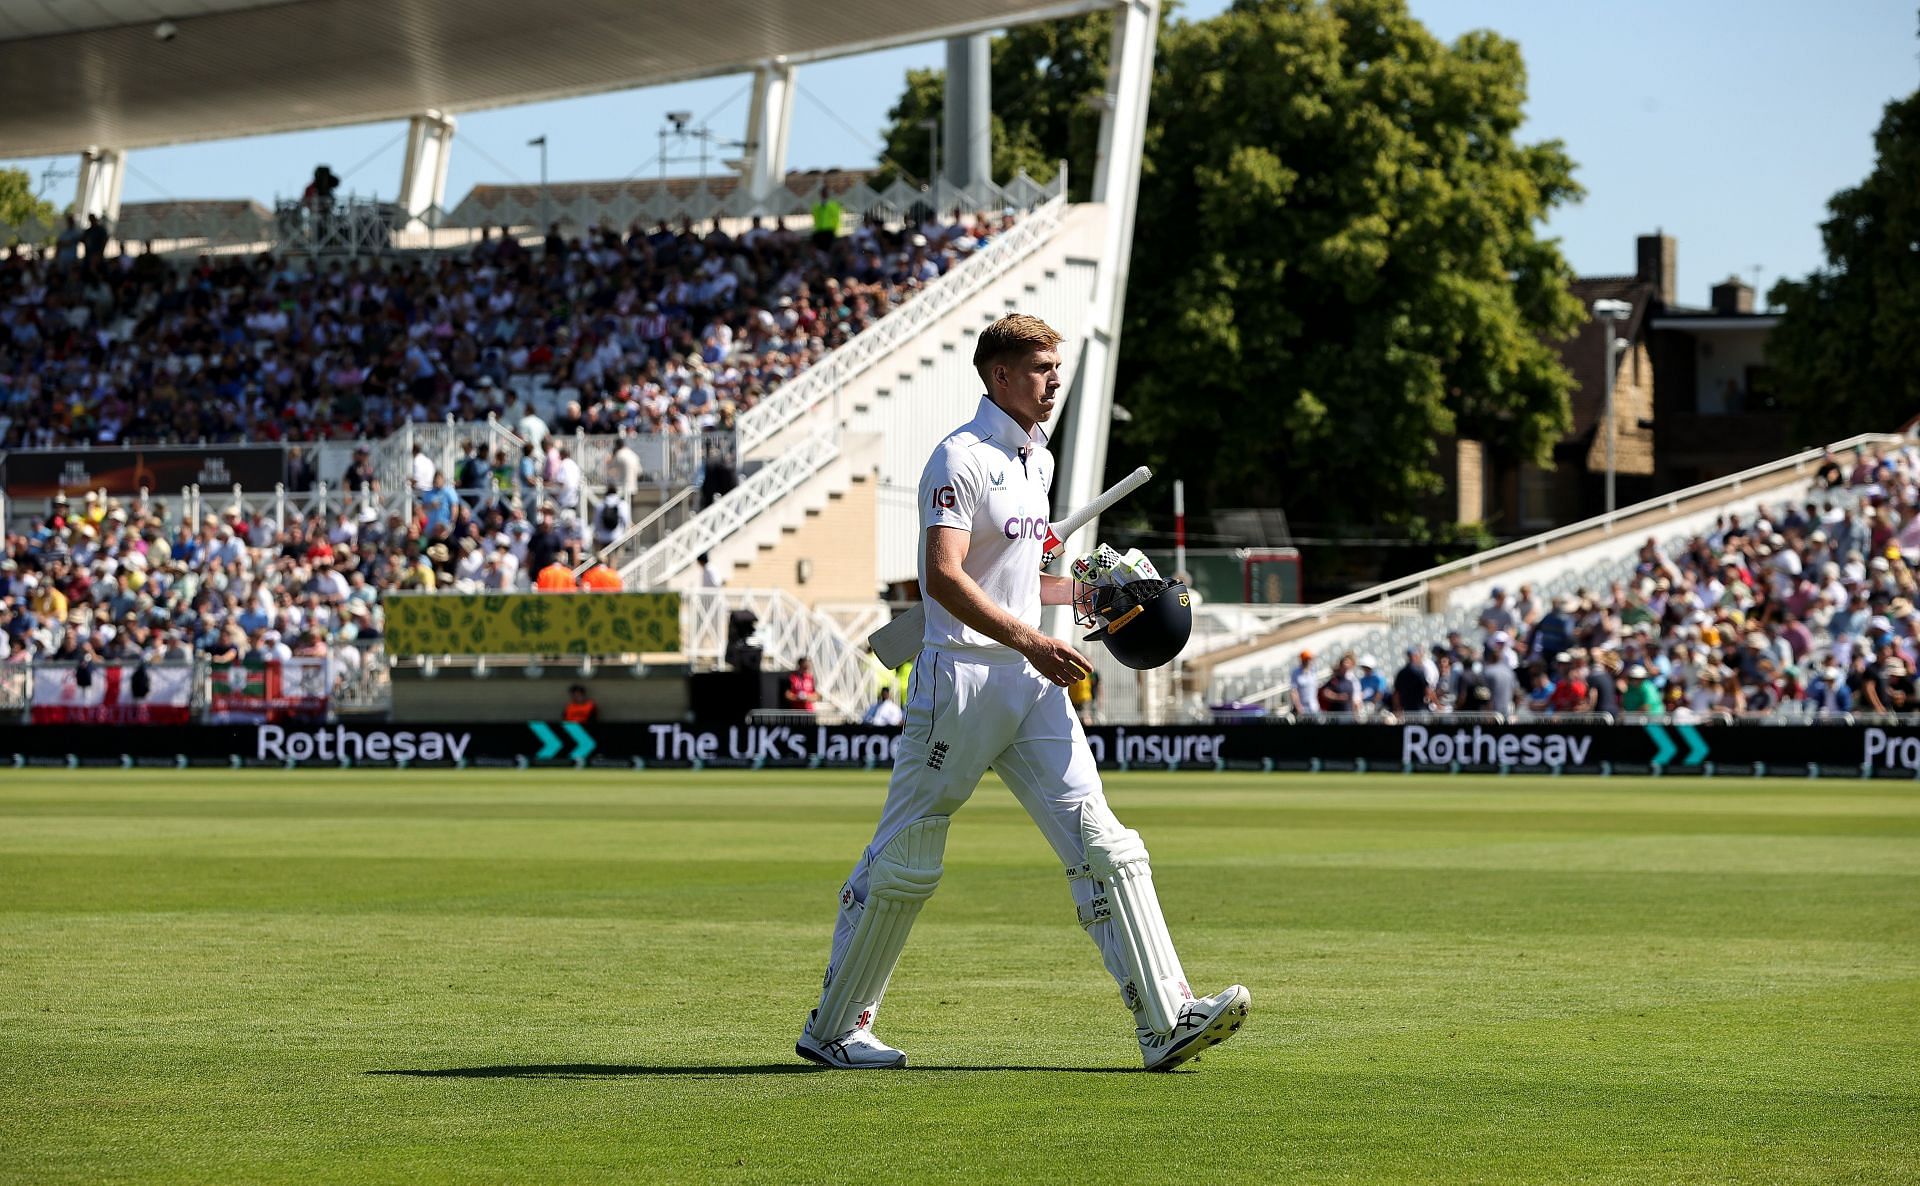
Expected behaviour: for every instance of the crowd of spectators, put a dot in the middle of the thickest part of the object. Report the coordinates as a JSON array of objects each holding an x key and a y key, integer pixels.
[
  {"x": 667, "y": 331},
  {"x": 1806, "y": 608},
  {"x": 101, "y": 580}
]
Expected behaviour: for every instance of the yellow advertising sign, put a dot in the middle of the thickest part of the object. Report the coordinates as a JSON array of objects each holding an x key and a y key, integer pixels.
[{"x": 532, "y": 623}]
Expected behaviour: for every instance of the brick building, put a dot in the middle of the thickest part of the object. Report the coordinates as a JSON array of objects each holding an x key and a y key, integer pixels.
[{"x": 1690, "y": 403}]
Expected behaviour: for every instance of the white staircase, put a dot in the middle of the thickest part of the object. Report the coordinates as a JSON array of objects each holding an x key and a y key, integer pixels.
[{"x": 901, "y": 385}]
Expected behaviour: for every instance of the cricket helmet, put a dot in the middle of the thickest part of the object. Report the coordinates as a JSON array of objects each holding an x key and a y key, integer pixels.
[{"x": 1143, "y": 623}]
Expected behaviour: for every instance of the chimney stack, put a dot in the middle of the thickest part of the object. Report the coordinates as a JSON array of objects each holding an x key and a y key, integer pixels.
[
  {"x": 1657, "y": 262},
  {"x": 1732, "y": 295}
]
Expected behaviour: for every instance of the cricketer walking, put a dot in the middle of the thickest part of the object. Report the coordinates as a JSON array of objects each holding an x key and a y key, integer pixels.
[{"x": 989, "y": 690}]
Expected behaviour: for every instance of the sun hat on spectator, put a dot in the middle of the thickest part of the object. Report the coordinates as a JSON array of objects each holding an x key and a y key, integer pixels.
[
  {"x": 1880, "y": 622},
  {"x": 1880, "y": 564},
  {"x": 1499, "y": 638},
  {"x": 1900, "y": 608},
  {"x": 1637, "y": 671}
]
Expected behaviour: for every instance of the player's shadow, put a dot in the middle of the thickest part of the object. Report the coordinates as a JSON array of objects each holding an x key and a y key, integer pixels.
[{"x": 596, "y": 1070}]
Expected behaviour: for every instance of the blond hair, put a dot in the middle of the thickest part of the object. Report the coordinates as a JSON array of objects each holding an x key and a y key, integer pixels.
[{"x": 1011, "y": 337}]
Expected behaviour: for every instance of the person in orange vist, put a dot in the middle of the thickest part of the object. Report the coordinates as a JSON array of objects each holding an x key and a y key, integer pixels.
[
  {"x": 580, "y": 709},
  {"x": 600, "y": 578},
  {"x": 555, "y": 578}
]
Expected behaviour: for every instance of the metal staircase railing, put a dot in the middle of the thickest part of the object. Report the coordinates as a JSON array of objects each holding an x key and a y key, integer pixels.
[
  {"x": 788, "y": 630},
  {"x": 671, "y": 556},
  {"x": 760, "y": 492},
  {"x": 826, "y": 377}
]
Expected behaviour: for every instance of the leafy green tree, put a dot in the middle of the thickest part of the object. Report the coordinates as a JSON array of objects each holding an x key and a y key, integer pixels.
[
  {"x": 20, "y": 208},
  {"x": 1337, "y": 258},
  {"x": 1846, "y": 354},
  {"x": 1337, "y": 262}
]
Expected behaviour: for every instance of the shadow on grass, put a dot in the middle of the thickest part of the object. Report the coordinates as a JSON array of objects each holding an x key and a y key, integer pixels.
[{"x": 595, "y": 1070}]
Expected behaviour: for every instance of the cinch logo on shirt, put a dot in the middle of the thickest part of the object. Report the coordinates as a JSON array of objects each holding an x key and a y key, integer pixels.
[{"x": 1031, "y": 528}]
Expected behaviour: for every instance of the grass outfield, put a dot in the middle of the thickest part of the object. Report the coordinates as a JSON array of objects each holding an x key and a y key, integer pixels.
[{"x": 374, "y": 976}]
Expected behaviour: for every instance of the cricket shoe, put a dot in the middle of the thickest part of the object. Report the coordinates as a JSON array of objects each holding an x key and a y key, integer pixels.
[
  {"x": 855, "y": 1050},
  {"x": 1206, "y": 1022}
]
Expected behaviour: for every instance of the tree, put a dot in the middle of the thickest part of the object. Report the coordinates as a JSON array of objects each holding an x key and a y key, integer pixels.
[
  {"x": 1846, "y": 354},
  {"x": 1336, "y": 262},
  {"x": 21, "y": 211}
]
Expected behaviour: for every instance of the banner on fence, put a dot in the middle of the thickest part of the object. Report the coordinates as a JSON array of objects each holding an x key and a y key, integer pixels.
[
  {"x": 99, "y": 694},
  {"x": 533, "y": 623},
  {"x": 1815, "y": 750},
  {"x": 283, "y": 690},
  {"x": 43, "y": 473}
]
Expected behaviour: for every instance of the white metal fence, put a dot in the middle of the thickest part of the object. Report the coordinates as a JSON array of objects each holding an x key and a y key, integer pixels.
[{"x": 358, "y": 224}]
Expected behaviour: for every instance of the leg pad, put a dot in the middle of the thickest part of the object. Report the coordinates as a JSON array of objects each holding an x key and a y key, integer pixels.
[
  {"x": 1124, "y": 898},
  {"x": 902, "y": 877}
]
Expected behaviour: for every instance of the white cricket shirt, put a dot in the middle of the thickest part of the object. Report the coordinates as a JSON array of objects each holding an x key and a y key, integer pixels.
[{"x": 989, "y": 478}]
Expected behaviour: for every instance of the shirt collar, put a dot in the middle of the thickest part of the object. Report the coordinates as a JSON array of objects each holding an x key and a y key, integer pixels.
[{"x": 1003, "y": 428}]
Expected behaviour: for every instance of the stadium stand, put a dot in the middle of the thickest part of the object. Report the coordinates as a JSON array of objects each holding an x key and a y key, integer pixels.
[
  {"x": 521, "y": 386},
  {"x": 662, "y": 331},
  {"x": 1797, "y": 605}
]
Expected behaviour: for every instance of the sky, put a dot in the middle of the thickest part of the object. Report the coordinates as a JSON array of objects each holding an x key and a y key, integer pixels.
[{"x": 1725, "y": 123}]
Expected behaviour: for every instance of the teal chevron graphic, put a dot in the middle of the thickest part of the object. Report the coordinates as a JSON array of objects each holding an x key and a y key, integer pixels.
[
  {"x": 1696, "y": 746},
  {"x": 1663, "y": 747},
  {"x": 550, "y": 741},
  {"x": 584, "y": 743}
]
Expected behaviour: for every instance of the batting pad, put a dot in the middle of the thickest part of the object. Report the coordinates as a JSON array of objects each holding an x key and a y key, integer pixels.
[
  {"x": 899, "y": 882},
  {"x": 1117, "y": 861}
]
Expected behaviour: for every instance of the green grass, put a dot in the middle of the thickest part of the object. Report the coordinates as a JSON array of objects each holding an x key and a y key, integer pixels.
[{"x": 372, "y": 977}]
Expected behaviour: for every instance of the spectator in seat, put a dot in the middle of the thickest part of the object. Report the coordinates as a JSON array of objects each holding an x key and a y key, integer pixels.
[
  {"x": 1641, "y": 696},
  {"x": 1828, "y": 693},
  {"x": 1570, "y": 691}
]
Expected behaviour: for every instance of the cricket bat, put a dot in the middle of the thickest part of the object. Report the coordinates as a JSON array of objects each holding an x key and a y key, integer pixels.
[{"x": 899, "y": 640}]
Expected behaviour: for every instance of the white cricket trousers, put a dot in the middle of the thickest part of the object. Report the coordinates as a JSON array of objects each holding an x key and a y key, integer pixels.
[{"x": 967, "y": 713}]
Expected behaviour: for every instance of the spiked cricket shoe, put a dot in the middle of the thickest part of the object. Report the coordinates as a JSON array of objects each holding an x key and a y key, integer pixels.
[
  {"x": 1206, "y": 1022},
  {"x": 855, "y": 1050}
]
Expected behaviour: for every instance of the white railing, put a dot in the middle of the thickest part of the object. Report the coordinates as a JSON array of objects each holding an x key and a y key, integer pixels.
[
  {"x": 1405, "y": 592},
  {"x": 362, "y": 224},
  {"x": 653, "y": 568},
  {"x": 665, "y": 518},
  {"x": 825, "y": 378},
  {"x": 788, "y": 631}
]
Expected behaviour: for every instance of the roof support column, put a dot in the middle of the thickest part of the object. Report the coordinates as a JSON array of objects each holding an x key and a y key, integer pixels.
[
  {"x": 97, "y": 187},
  {"x": 967, "y": 121},
  {"x": 769, "y": 120},
  {"x": 1116, "y": 182},
  {"x": 423, "y": 178}
]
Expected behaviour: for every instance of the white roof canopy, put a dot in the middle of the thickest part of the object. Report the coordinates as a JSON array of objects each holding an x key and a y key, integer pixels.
[{"x": 82, "y": 73}]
